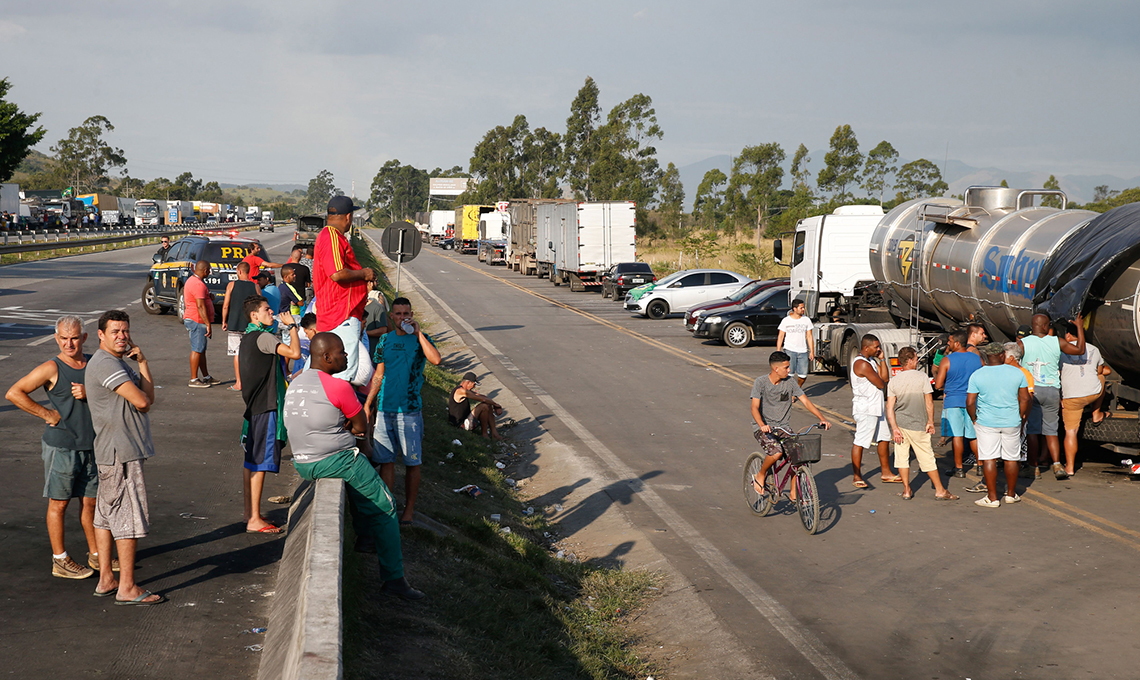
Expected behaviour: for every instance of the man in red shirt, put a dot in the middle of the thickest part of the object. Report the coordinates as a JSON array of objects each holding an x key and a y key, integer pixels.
[
  {"x": 256, "y": 262},
  {"x": 340, "y": 284},
  {"x": 197, "y": 317}
]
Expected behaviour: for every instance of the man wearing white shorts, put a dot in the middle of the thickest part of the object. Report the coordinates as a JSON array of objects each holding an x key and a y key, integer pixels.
[
  {"x": 997, "y": 399},
  {"x": 869, "y": 375},
  {"x": 794, "y": 339}
]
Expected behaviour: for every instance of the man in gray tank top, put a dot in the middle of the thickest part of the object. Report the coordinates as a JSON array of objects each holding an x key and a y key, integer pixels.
[{"x": 68, "y": 443}]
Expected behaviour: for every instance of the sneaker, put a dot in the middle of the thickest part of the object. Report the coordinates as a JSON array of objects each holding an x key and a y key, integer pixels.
[
  {"x": 1059, "y": 471},
  {"x": 969, "y": 462},
  {"x": 212, "y": 380},
  {"x": 978, "y": 471},
  {"x": 980, "y": 487},
  {"x": 398, "y": 587},
  {"x": 93, "y": 562},
  {"x": 959, "y": 473},
  {"x": 198, "y": 382},
  {"x": 987, "y": 503},
  {"x": 69, "y": 568},
  {"x": 1029, "y": 472},
  {"x": 1009, "y": 500}
]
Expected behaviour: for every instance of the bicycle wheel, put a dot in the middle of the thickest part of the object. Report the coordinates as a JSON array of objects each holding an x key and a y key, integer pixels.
[
  {"x": 808, "y": 501},
  {"x": 759, "y": 505}
]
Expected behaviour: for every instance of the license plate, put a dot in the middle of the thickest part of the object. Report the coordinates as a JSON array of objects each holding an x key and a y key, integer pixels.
[{"x": 638, "y": 280}]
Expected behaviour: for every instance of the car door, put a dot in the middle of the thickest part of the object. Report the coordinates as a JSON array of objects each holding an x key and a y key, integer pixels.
[
  {"x": 687, "y": 291},
  {"x": 167, "y": 281},
  {"x": 721, "y": 285},
  {"x": 766, "y": 315}
]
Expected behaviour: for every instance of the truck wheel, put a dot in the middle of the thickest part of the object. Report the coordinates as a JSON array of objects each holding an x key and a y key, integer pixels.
[
  {"x": 658, "y": 309},
  {"x": 150, "y": 299},
  {"x": 850, "y": 351},
  {"x": 556, "y": 279},
  {"x": 605, "y": 293},
  {"x": 576, "y": 285},
  {"x": 737, "y": 335},
  {"x": 1112, "y": 430}
]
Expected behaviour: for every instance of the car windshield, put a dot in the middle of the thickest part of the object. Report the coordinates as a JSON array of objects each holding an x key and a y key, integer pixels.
[
  {"x": 227, "y": 253},
  {"x": 745, "y": 291},
  {"x": 672, "y": 277}
]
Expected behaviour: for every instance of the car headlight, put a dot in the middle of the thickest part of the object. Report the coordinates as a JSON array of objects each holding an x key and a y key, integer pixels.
[{"x": 713, "y": 319}]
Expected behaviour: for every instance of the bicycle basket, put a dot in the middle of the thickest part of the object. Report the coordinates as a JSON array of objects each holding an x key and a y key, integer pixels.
[{"x": 804, "y": 448}]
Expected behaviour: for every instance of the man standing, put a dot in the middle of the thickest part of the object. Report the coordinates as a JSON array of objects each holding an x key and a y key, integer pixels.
[
  {"x": 976, "y": 336},
  {"x": 1082, "y": 383},
  {"x": 263, "y": 390},
  {"x": 233, "y": 322},
  {"x": 1041, "y": 354},
  {"x": 910, "y": 411},
  {"x": 120, "y": 399},
  {"x": 869, "y": 377},
  {"x": 794, "y": 338},
  {"x": 772, "y": 399},
  {"x": 340, "y": 283},
  {"x": 304, "y": 277},
  {"x": 68, "y": 443},
  {"x": 953, "y": 376},
  {"x": 375, "y": 317},
  {"x": 324, "y": 418},
  {"x": 459, "y": 411},
  {"x": 198, "y": 316},
  {"x": 291, "y": 291},
  {"x": 256, "y": 262},
  {"x": 399, "y": 375},
  {"x": 997, "y": 399}
]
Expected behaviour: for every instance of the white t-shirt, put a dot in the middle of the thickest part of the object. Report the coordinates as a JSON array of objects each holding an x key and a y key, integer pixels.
[
  {"x": 795, "y": 338},
  {"x": 1079, "y": 376}
]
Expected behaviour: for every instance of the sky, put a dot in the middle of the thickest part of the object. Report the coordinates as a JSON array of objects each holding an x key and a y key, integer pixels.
[{"x": 273, "y": 92}]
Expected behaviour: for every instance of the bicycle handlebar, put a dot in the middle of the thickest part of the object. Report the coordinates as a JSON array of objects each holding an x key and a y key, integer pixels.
[{"x": 807, "y": 429}]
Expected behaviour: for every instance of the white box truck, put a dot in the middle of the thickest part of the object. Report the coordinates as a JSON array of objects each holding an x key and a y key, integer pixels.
[
  {"x": 587, "y": 238},
  {"x": 10, "y": 198},
  {"x": 439, "y": 223}
]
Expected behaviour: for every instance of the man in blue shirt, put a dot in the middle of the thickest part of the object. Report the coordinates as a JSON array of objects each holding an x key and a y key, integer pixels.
[
  {"x": 399, "y": 424},
  {"x": 997, "y": 399}
]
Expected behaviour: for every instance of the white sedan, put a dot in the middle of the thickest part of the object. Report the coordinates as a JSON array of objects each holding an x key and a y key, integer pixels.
[{"x": 681, "y": 290}]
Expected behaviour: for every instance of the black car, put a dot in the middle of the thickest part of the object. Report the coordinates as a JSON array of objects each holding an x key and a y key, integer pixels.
[
  {"x": 625, "y": 276},
  {"x": 756, "y": 319},
  {"x": 163, "y": 289},
  {"x": 446, "y": 244}
]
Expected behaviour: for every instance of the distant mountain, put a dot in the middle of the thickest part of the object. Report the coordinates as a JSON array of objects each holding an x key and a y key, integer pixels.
[
  {"x": 283, "y": 188},
  {"x": 959, "y": 175}
]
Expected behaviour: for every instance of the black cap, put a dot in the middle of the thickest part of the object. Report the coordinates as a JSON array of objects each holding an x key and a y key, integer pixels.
[
  {"x": 470, "y": 377},
  {"x": 1024, "y": 330},
  {"x": 341, "y": 205}
]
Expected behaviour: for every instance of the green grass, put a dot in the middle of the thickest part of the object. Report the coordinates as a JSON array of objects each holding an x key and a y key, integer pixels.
[
  {"x": 78, "y": 249},
  {"x": 499, "y": 604}
]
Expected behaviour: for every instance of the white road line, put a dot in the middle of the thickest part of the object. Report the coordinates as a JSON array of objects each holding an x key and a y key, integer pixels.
[
  {"x": 36, "y": 343},
  {"x": 805, "y": 642}
]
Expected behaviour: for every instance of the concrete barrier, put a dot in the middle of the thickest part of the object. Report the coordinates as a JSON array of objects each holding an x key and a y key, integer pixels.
[{"x": 304, "y": 640}]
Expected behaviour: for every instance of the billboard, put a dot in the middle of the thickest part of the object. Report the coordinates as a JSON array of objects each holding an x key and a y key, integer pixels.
[{"x": 447, "y": 186}]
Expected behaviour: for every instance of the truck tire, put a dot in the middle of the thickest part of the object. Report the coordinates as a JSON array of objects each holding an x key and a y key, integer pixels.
[
  {"x": 556, "y": 278},
  {"x": 658, "y": 309},
  {"x": 1112, "y": 430},
  {"x": 850, "y": 351},
  {"x": 605, "y": 292},
  {"x": 150, "y": 299},
  {"x": 737, "y": 335}
]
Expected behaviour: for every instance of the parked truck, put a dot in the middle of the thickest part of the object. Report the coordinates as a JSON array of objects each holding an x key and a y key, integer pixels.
[
  {"x": 180, "y": 212},
  {"x": 127, "y": 211},
  {"x": 522, "y": 243},
  {"x": 441, "y": 225},
  {"x": 494, "y": 228},
  {"x": 935, "y": 265},
  {"x": 252, "y": 213},
  {"x": 582, "y": 240},
  {"x": 10, "y": 199},
  {"x": 467, "y": 227}
]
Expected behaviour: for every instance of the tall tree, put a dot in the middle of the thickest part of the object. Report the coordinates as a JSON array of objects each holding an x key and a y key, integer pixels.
[
  {"x": 399, "y": 190},
  {"x": 1102, "y": 193},
  {"x": 756, "y": 177},
  {"x": 321, "y": 189},
  {"x": 84, "y": 158},
  {"x": 842, "y": 164},
  {"x": 542, "y": 164},
  {"x": 625, "y": 166},
  {"x": 919, "y": 179},
  {"x": 880, "y": 165},
  {"x": 497, "y": 162},
  {"x": 799, "y": 171},
  {"x": 580, "y": 142},
  {"x": 1051, "y": 201},
  {"x": 17, "y": 136},
  {"x": 708, "y": 204},
  {"x": 672, "y": 201}
]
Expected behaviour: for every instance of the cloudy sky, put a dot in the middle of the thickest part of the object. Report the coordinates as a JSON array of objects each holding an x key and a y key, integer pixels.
[{"x": 246, "y": 92}]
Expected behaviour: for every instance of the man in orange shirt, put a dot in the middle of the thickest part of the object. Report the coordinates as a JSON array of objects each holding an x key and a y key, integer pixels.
[{"x": 340, "y": 284}]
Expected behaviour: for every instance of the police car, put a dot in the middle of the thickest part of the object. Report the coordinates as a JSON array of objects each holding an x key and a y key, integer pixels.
[{"x": 163, "y": 290}]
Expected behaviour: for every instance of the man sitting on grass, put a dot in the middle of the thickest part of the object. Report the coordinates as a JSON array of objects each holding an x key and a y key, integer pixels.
[{"x": 460, "y": 413}]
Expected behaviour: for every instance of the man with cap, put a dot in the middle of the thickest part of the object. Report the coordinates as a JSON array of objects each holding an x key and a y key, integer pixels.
[
  {"x": 340, "y": 284},
  {"x": 460, "y": 413}
]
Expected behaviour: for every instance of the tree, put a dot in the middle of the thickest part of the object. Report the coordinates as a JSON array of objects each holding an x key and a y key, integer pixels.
[
  {"x": 542, "y": 164},
  {"x": 399, "y": 190},
  {"x": 84, "y": 159},
  {"x": 1051, "y": 201},
  {"x": 672, "y": 201},
  {"x": 580, "y": 143},
  {"x": 880, "y": 165},
  {"x": 496, "y": 162},
  {"x": 756, "y": 177},
  {"x": 17, "y": 137},
  {"x": 211, "y": 192},
  {"x": 625, "y": 165},
  {"x": 919, "y": 179},
  {"x": 842, "y": 164},
  {"x": 708, "y": 205},
  {"x": 1102, "y": 193},
  {"x": 321, "y": 189}
]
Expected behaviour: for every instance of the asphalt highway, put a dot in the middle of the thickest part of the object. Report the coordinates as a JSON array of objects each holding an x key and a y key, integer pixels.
[
  {"x": 219, "y": 579},
  {"x": 888, "y": 588}
]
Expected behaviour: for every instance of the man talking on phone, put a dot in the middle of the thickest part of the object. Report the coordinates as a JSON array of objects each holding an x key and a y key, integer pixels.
[{"x": 869, "y": 377}]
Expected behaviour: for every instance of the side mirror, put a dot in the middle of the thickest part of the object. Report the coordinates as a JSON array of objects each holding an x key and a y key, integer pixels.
[
  {"x": 778, "y": 250},
  {"x": 156, "y": 258},
  {"x": 767, "y": 308},
  {"x": 675, "y": 284}
]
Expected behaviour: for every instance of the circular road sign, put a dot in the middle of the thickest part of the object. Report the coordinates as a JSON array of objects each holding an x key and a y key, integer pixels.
[{"x": 401, "y": 241}]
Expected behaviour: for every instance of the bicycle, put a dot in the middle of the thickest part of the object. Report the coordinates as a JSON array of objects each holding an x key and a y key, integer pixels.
[{"x": 800, "y": 451}]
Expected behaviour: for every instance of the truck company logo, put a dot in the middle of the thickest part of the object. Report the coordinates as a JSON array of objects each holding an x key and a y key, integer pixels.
[
  {"x": 906, "y": 257},
  {"x": 1012, "y": 274}
]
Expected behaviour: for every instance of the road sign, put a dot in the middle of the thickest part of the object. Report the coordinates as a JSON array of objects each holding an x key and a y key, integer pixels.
[
  {"x": 401, "y": 241},
  {"x": 502, "y": 206}
]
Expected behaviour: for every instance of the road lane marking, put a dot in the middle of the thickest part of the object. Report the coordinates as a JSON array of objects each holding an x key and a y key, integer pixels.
[
  {"x": 802, "y": 639},
  {"x": 37, "y": 343}
]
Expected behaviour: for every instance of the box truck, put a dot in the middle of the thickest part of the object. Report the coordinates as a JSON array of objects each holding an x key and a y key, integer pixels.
[
  {"x": 493, "y": 232},
  {"x": 467, "y": 227},
  {"x": 522, "y": 241},
  {"x": 440, "y": 223},
  {"x": 580, "y": 241}
]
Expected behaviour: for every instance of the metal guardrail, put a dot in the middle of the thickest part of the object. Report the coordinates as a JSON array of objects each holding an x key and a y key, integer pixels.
[{"x": 56, "y": 239}]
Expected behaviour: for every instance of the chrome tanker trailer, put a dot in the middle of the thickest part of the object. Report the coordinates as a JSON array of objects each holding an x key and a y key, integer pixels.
[{"x": 995, "y": 258}]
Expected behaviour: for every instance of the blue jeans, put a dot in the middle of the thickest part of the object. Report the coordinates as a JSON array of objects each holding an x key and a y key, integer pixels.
[
  {"x": 198, "y": 339},
  {"x": 800, "y": 366},
  {"x": 399, "y": 437}
]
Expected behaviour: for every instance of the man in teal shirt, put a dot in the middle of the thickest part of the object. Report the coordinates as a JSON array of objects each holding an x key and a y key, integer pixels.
[
  {"x": 1041, "y": 354},
  {"x": 399, "y": 424},
  {"x": 997, "y": 399}
]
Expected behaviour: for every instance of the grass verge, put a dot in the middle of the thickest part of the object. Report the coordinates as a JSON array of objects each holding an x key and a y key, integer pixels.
[
  {"x": 499, "y": 603},
  {"x": 78, "y": 249}
]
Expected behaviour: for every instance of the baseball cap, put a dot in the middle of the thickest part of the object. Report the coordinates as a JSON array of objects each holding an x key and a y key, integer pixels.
[
  {"x": 341, "y": 205},
  {"x": 469, "y": 376},
  {"x": 1023, "y": 330},
  {"x": 992, "y": 348}
]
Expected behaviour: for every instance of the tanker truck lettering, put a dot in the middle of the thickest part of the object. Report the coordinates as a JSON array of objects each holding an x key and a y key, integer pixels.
[{"x": 1014, "y": 275}]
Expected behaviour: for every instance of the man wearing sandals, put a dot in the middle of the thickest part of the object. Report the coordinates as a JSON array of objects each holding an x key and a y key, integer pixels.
[
  {"x": 869, "y": 377},
  {"x": 910, "y": 411},
  {"x": 772, "y": 399},
  {"x": 997, "y": 399}
]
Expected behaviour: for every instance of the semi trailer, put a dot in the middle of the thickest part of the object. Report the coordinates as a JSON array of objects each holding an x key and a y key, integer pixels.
[
  {"x": 441, "y": 225},
  {"x": 522, "y": 243},
  {"x": 578, "y": 242},
  {"x": 494, "y": 228}
]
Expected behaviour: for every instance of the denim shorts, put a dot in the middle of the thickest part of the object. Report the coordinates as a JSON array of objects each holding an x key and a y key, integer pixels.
[
  {"x": 800, "y": 365},
  {"x": 960, "y": 423},
  {"x": 399, "y": 438},
  {"x": 198, "y": 337}
]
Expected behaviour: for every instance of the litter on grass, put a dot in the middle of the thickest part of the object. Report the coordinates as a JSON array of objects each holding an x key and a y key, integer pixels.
[
  {"x": 505, "y": 530},
  {"x": 528, "y": 511},
  {"x": 496, "y": 517},
  {"x": 456, "y": 442},
  {"x": 450, "y": 455},
  {"x": 511, "y": 482},
  {"x": 470, "y": 489},
  {"x": 499, "y": 464}
]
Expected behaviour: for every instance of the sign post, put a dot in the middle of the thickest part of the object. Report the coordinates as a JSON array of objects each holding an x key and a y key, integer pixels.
[{"x": 401, "y": 242}]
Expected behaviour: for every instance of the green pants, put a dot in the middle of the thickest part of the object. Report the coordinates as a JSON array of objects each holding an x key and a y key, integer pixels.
[{"x": 369, "y": 501}]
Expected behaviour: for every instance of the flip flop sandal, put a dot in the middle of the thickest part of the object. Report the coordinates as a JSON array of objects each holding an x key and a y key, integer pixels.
[
  {"x": 758, "y": 488},
  {"x": 891, "y": 480},
  {"x": 231, "y": 389},
  {"x": 139, "y": 601},
  {"x": 860, "y": 484},
  {"x": 267, "y": 529},
  {"x": 947, "y": 497},
  {"x": 906, "y": 496},
  {"x": 107, "y": 593}
]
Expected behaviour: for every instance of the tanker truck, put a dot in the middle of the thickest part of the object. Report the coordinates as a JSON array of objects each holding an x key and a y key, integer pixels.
[{"x": 935, "y": 265}]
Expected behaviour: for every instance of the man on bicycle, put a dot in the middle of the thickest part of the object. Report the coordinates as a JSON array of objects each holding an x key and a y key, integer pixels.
[{"x": 772, "y": 399}]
